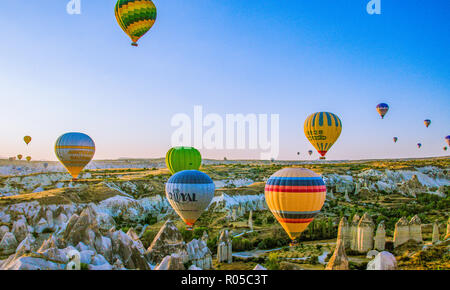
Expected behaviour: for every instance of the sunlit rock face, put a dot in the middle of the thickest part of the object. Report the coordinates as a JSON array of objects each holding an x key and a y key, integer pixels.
[
  {"x": 168, "y": 241},
  {"x": 380, "y": 238},
  {"x": 224, "y": 248},
  {"x": 199, "y": 254},
  {"x": 447, "y": 235},
  {"x": 339, "y": 260},
  {"x": 435, "y": 236},
  {"x": 365, "y": 234},
  {"x": 354, "y": 232},
  {"x": 171, "y": 262},
  {"x": 383, "y": 261},
  {"x": 401, "y": 232},
  {"x": 344, "y": 233},
  {"x": 415, "y": 229}
]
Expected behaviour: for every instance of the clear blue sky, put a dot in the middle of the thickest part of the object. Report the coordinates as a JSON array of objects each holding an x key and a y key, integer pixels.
[{"x": 61, "y": 72}]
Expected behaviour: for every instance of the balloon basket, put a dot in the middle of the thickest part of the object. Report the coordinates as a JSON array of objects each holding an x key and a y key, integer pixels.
[
  {"x": 134, "y": 44},
  {"x": 293, "y": 243},
  {"x": 322, "y": 158},
  {"x": 189, "y": 228}
]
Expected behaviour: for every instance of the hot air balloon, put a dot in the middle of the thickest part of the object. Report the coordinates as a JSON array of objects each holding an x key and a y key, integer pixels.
[
  {"x": 28, "y": 158},
  {"x": 45, "y": 165},
  {"x": 419, "y": 145},
  {"x": 189, "y": 192},
  {"x": 20, "y": 156},
  {"x": 135, "y": 17},
  {"x": 445, "y": 148},
  {"x": 427, "y": 122},
  {"x": 310, "y": 152},
  {"x": 27, "y": 139},
  {"x": 448, "y": 140},
  {"x": 395, "y": 139},
  {"x": 382, "y": 109},
  {"x": 322, "y": 130},
  {"x": 295, "y": 196},
  {"x": 183, "y": 158},
  {"x": 75, "y": 151},
  {"x": 298, "y": 153}
]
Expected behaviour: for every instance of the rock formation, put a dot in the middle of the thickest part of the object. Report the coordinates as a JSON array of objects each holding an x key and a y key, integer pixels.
[
  {"x": 259, "y": 268},
  {"x": 383, "y": 261},
  {"x": 172, "y": 262},
  {"x": 199, "y": 254},
  {"x": 224, "y": 248},
  {"x": 168, "y": 241},
  {"x": 380, "y": 238},
  {"x": 339, "y": 260},
  {"x": 447, "y": 235},
  {"x": 365, "y": 234},
  {"x": 250, "y": 220},
  {"x": 354, "y": 233},
  {"x": 415, "y": 229},
  {"x": 435, "y": 237},
  {"x": 401, "y": 232},
  {"x": 344, "y": 233}
]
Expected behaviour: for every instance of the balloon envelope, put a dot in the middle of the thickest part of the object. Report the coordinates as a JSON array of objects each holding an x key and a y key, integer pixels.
[
  {"x": 28, "y": 158},
  {"x": 419, "y": 145},
  {"x": 395, "y": 139},
  {"x": 75, "y": 151},
  {"x": 183, "y": 158},
  {"x": 20, "y": 156},
  {"x": 135, "y": 18},
  {"x": 310, "y": 152},
  {"x": 427, "y": 122},
  {"x": 190, "y": 192},
  {"x": 295, "y": 196},
  {"x": 448, "y": 140},
  {"x": 445, "y": 148},
  {"x": 322, "y": 130},
  {"x": 27, "y": 139},
  {"x": 382, "y": 109}
]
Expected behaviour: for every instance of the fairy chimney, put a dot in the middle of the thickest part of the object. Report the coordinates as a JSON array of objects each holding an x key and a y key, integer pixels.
[
  {"x": 435, "y": 237},
  {"x": 344, "y": 233},
  {"x": 339, "y": 260},
  {"x": 224, "y": 249},
  {"x": 380, "y": 237},
  {"x": 415, "y": 229},
  {"x": 353, "y": 232},
  {"x": 401, "y": 232},
  {"x": 365, "y": 234}
]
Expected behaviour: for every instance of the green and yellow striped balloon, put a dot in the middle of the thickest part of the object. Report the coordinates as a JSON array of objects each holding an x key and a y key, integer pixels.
[
  {"x": 183, "y": 158},
  {"x": 135, "y": 17}
]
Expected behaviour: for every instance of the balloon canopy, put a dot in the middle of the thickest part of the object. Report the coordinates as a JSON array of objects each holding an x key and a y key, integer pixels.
[
  {"x": 135, "y": 17},
  {"x": 183, "y": 158},
  {"x": 295, "y": 196},
  {"x": 382, "y": 109},
  {"x": 27, "y": 139},
  {"x": 75, "y": 151},
  {"x": 190, "y": 192},
  {"x": 322, "y": 130}
]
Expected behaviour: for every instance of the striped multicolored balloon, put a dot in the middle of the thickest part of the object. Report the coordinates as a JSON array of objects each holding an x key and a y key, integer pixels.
[
  {"x": 135, "y": 17},
  {"x": 382, "y": 109},
  {"x": 322, "y": 129},
  {"x": 295, "y": 196},
  {"x": 190, "y": 192},
  {"x": 75, "y": 151}
]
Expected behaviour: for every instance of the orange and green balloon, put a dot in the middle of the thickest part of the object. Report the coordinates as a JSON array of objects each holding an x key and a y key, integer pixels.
[
  {"x": 135, "y": 17},
  {"x": 20, "y": 156},
  {"x": 27, "y": 139},
  {"x": 183, "y": 158}
]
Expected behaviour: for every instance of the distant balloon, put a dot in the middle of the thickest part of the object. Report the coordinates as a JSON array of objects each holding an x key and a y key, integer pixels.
[
  {"x": 135, "y": 18},
  {"x": 20, "y": 156},
  {"x": 445, "y": 148},
  {"x": 419, "y": 145},
  {"x": 382, "y": 109},
  {"x": 45, "y": 165},
  {"x": 448, "y": 140},
  {"x": 27, "y": 139},
  {"x": 427, "y": 122},
  {"x": 298, "y": 153},
  {"x": 310, "y": 152},
  {"x": 395, "y": 139},
  {"x": 190, "y": 192},
  {"x": 28, "y": 158},
  {"x": 183, "y": 158},
  {"x": 322, "y": 130},
  {"x": 75, "y": 151},
  {"x": 295, "y": 196}
]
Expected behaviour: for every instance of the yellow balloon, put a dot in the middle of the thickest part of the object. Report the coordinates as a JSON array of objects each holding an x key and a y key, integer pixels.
[
  {"x": 322, "y": 129},
  {"x": 28, "y": 158},
  {"x": 27, "y": 139}
]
